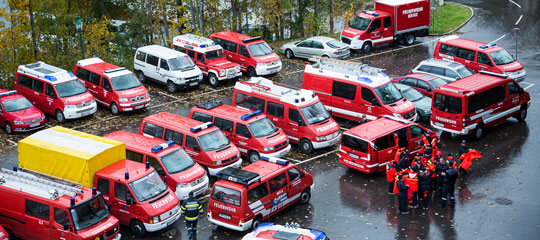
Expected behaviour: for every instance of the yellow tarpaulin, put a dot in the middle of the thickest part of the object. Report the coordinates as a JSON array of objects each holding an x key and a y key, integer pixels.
[{"x": 69, "y": 154}]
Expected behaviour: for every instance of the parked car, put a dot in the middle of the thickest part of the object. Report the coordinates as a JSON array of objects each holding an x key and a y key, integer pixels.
[
  {"x": 421, "y": 102},
  {"x": 423, "y": 82},
  {"x": 272, "y": 231},
  {"x": 449, "y": 71},
  {"x": 316, "y": 46},
  {"x": 17, "y": 114}
]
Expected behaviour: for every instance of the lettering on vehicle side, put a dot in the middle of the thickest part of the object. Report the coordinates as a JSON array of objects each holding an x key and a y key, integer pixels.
[
  {"x": 224, "y": 154},
  {"x": 325, "y": 128},
  {"x": 440, "y": 119},
  {"x": 163, "y": 202},
  {"x": 101, "y": 229},
  {"x": 403, "y": 106},
  {"x": 276, "y": 140},
  {"x": 413, "y": 12},
  {"x": 512, "y": 66},
  {"x": 226, "y": 208},
  {"x": 281, "y": 198},
  {"x": 76, "y": 99},
  {"x": 132, "y": 92},
  {"x": 187, "y": 175}
]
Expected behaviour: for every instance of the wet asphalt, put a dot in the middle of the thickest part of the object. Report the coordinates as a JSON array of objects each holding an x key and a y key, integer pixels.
[{"x": 498, "y": 198}]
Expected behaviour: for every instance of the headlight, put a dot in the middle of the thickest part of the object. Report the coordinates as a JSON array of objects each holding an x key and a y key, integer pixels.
[
  {"x": 397, "y": 115},
  {"x": 18, "y": 122},
  {"x": 427, "y": 111},
  {"x": 123, "y": 99},
  {"x": 221, "y": 72},
  {"x": 182, "y": 185},
  {"x": 179, "y": 80},
  {"x": 269, "y": 148},
  {"x": 279, "y": 61},
  {"x": 356, "y": 37},
  {"x": 70, "y": 106},
  {"x": 153, "y": 220},
  {"x": 217, "y": 162},
  {"x": 146, "y": 95},
  {"x": 321, "y": 138},
  {"x": 238, "y": 155},
  {"x": 92, "y": 101},
  {"x": 42, "y": 117},
  {"x": 261, "y": 64}
]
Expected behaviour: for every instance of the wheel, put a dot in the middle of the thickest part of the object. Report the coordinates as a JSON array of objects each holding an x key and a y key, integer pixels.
[
  {"x": 9, "y": 130},
  {"x": 409, "y": 39},
  {"x": 306, "y": 146},
  {"x": 206, "y": 170},
  {"x": 256, "y": 222},
  {"x": 289, "y": 54},
  {"x": 419, "y": 117},
  {"x": 325, "y": 56},
  {"x": 251, "y": 72},
  {"x": 367, "y": 47},
  {"x": 478, "y": 132},
  {"x": 171, "y": 87},
  {"x": 253, "y": 156},
  {"x": 137, "y": 228},
  {"x": 306, "y": 196},
  {"x": 213, "y": 80},
  {"x": 522, "y": 114},
  {"x": 114, "y": 109},
  {"x": 141, "y": 76},
  {"x": 10, "y": 234},
  {"x": 60, "y": 116}
]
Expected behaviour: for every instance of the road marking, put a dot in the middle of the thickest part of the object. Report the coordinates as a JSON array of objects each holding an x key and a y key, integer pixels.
[
  {"x": 48, "y": 125},
  {"x": 530, "y": 85},
  {"x": 498, "y": 38},
  {"x": 344, "y": 129},
  {"x": 313, "y": 158},
  {"x": 515, "y": 3},
  {"x": 12, "y": 142},
  {"x": 520, "y": 16},
  {"x": 168, "y": 95},
  {"x": 292, "y": 159}
]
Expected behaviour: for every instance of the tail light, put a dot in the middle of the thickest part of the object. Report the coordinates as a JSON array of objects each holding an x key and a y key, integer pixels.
[
  {"x": 337, "y": 52},
  {"x": 241, "y": 220}
]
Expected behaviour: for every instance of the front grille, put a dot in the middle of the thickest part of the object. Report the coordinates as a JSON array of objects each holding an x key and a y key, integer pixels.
[
  {"x": 84, "y": 104},
  {"x": 33, "y": 120},
  {"x": 232, "y": 71},
  {"x": 228, "y": 160},
  {"x": 109, "y": 233},
  {"x": 137, "y": 98},
  {"x": 84, "y": 110},
  {"x": 198, "y": 191},
  {"x": 283, "y": 144},
  {"x": 346, "y": 40},
  {"x": 272, "y": 68},
  {"x": 409, "y": 114},
  {"x": 192, "y": 79},
  {"x": 197, "y": 181}
]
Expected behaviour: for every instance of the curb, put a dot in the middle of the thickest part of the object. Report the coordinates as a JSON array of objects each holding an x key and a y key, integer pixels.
[{"x": 460, "y": 26}]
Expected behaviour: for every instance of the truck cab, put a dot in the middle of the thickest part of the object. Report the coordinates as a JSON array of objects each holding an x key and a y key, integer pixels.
[{"x": 368, "y": 29}]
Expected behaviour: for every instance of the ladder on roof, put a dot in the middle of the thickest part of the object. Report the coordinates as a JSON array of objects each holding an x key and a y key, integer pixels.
[
  {"x": 358, "y": 68},
  {"x": 55, "y": 186},
  {"x": 258, "y": 86}
]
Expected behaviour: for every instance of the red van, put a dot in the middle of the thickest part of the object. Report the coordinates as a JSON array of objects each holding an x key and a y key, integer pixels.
[
  {"x": 252, "y": 53},
  {"x": 243, "y": 198},
  {"x": 370, "y": 146},
  {"x": 171, "y": 162},
  {"x": 476, "y": 102},
  {"x": 479, "y": 56},
  {"x": 113, "y": 87},
  {"x": 206, "y": 144},
  {"x": 350, "y": 90},
  {"x": 17, "y": 114},
  {"x": 39, "y": 206},
  {"x": 54, "y": 91},
  {"x": 252, "y": 132},
  {"x": 298, "y": 112}
]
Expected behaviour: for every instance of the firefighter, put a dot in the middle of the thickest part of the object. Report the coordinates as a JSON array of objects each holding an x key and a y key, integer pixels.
[
  {"x": 419, "y": 166},
  {"x": 449, "y": 186},
  {"x": 450, "y": 160},
  {"x": 463, "y": 148},
  {"x": 363, "y": 119},
  {"x": 417, "y": 158},
  {"x": 412, "y": 182},
  {"x": 440, "y": 169},
  {"x": 191, "y": 208},
  {"x": 391, "y": 176},
  {"x": 402, "y": 188},
  {"x": 424, "y": 187}
]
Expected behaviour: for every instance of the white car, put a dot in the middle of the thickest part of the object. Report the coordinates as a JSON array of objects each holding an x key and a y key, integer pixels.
[
  {"x": 272, "y": 231},
  {"x": 316, "y": 46},
  {"x": 166, "y": 66},
  {"x": 448, "y": 71}
]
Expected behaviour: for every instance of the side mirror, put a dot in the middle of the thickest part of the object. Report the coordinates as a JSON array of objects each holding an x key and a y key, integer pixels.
[
  {"x": 130, "y": 201},
  {"x": 301, "y": 123},
  {"x": 160, "y": 172},
  {"x": 521, "y": 91},
  {"x": 197, "y": 148},
  {"x": 302, "y": 173},
  {"x": 374, "y": 102},
  {"x": 66, "y": 227}
]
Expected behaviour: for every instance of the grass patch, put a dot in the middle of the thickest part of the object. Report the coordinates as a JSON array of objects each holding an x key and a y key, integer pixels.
[{"x": 448, "y": 17}]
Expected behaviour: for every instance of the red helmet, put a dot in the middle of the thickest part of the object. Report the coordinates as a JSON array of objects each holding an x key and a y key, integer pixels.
[{"x": 439, "y": 153}]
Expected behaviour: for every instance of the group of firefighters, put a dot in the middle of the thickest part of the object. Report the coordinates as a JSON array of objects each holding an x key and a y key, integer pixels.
[{"x": 428, "y": 172}]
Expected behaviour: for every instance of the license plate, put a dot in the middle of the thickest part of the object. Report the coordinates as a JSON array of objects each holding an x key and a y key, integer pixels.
[
  {"x": 438, "y": 124},
  {"x": 193, "y": 84},
  {"x": 353, "y": 155},
  {"x": 225, "y": 216},
  {"x": 34, "y": 125},
  {"x": 139, "y": 107}
]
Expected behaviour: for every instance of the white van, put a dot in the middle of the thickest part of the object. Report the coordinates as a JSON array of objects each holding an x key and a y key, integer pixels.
[{"x": 167, "y": 67}]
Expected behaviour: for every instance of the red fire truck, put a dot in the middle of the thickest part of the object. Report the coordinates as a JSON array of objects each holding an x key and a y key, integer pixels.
[{"x": 391, "y": 20}]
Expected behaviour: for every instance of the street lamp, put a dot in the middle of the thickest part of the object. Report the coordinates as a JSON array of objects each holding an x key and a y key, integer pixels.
[{"x": 79, "y": 27}]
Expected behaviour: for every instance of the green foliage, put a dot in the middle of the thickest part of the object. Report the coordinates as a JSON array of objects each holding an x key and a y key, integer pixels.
[{"x": 448, "y": 17}]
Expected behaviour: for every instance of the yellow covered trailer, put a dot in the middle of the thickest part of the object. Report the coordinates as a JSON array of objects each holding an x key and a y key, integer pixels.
[{"x": 69, "y": 154}]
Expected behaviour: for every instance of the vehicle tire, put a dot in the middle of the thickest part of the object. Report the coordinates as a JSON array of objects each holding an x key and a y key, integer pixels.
[
  {"x": 253, "y": 156},
  {"x": 305, "y": 146},
  {"x": 213, "y": 80},
  {"x": 206, "y": 170},
  {"x": 10, "y": 236},
  {"x": 251, "y": 72},
  {"x": 9, "y": 129},
  {"x": 289, "y": 54},
  {"x": 256, "y": 222},
  {"x": 366, "y": 48},
  {"x": 59, "y": 116},
  {"x": 114, "y": 109},
  {"x": 137, "y": 228},
  {"x": 522, "y": 114},
  {"x": 478, "y": 132},
  {"x": 326, "y": 56},
  {"x": 419, "y": 118},
  {"x": 141, "y": 76},
  {"x": 305, "y": 196},
  {"x": 409, "y": 39},
  {"x": 171, "y": 87}
]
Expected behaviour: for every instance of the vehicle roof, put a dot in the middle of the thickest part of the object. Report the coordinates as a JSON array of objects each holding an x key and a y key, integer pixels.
[
  {"x": 139, "y": 142},
  {"x": 283, "y": 93},
  {"x": 426, "y": 77},
  {"x": 321, "y": 38},
  {"x": 267, "y": 231},
  {"x": 163, "y": 52},
  {"x": 348, "y": 71},
  {"x": 46, "y": 72},
  {"x": 196, "y": 43},
  {"x": 376, "y": 128},
  {"x": 178, "y": 122},
  {"x": 396, "y": 3},
  {"x": 234, "y": 36},
  {"x": 231, "y": 112},
  {"x": 470, "y": 44},
  {"x": 441, "y": 63},
  {"x": 118, "y": 170},
  {"x": 474, "y": 83},
  {"x": 13, "y": 95},
  {"x": 99, "y": 66},
  {"x": 265, "y": 170},
  {"x": 401, "y": 86}
]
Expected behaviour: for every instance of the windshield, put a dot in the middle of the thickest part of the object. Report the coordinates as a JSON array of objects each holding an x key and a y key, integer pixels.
[
  {"x": 125, "y": 82},
  {"x": 315, "y": 113},
  {"x": 71, "y": 88},
  {"x": 214, "y": 54},
  {"x": 501, "y": 57},
  {"x": 262, "y": 127},
  {"x": 465, "y": 72},
  {"x": 388, "y": 93},
  {"x": 180, "y": 63},
  {"x": 412, "y": 94},
  {"x": 437, "y": 82},
  {"x": 259, "y": 49},
  {"x": 177, "y": 161},
  {"x": 17, "y": 104},
  {"x": 213, "y": 141},
  {"x": 360, "y": 23},
  {"x": 148, "y": 186},
  {"x": 89, "y": 213},
  {"x": 335, "y": 44}
]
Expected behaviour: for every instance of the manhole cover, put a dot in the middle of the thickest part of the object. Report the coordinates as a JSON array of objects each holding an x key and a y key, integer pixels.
[{"x": 503, "y": 201}]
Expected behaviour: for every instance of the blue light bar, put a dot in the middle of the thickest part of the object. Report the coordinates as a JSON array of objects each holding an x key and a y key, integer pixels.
[
  {"x": 71, "y": 74},
  {"x": 126, "y": 175},
  {"x": 251, "y": 114},
  {"x": 115, "y": 70},
  {"x": 483, "y": 47},
  {"x": 72, "y": 201},
  {"x": 202, "y": 46},
  {"x": 251, "y": 39},
  {"x": 264, "y": 224},
  {"x": 493, "y": 44},
  {"x": 50, "y": 78},
  {"x": 370, "y": 12},
  {"x": 147, "y": 165},
  {"x": 275, "y": 160},
  {"x": 396, "y": 119},
  {"x": 318, "y": 234},
  {"x": 94, "y": 191},
  {"x": 162, "y": 146},
  {"x": 201, "y": 127},
  {"x": 8, "y": 93},
  {"x": 364, "y": 79}
]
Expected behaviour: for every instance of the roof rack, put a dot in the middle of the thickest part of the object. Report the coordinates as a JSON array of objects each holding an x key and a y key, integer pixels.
[
  {"x": 39, "y": 184},
  {"x": 210, "y": 104},
  {"x": 46, "y": 71},
  {"x": 285, "y": 93},
  {"x": 354, "y": 67},
  {"x": 493, "y": 74},
  {"x": 238, "y": 175},
  {"x": 251, "y": 39}
]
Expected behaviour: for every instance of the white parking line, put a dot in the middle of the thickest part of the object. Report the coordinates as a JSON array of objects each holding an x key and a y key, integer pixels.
[
  {"x": 12, "y": 142},
  {"x": 313, "y": 158},
  {"x": 515, "y": 3},
  {"x": 501, "y": 37},
  {"x": 520, "y": 16},
  {"x": 292, "y": 159},
  {"x": 344, "y": 129},
  {"x": 525, "y": 88},
  {"x": 168, "y": 95}
]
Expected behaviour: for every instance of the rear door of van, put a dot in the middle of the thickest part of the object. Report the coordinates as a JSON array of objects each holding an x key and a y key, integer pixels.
[{"x": 386, "y": 148}]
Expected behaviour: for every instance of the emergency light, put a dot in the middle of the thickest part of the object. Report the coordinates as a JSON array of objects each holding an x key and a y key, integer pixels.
[
  {"x": 94, "y": 191},
  {"x": 318, "y": 234},
  {"x": 147, "y": 164},
  {"x": 201, "y": 127},
  {"x": 370, "y": 12},
  {"x": 275, "y": 160},
  {"x": 72, "y": 201},
  {"x": 364, "y": 79},
  {"x": 70, "y": 74},
  {"x": 250, "y": 115},
  {"x": 114, "y": 70},
  {"x": 162, "y": 146},
  {"x": 126, "y": 175},
  {"x": 202, "y": 46},
  {"x": 8, "y": 93},
  {"x": 396, "y": 119},
  {"x": 50, "y": 78},
  {"x": 14, "y": 168}
]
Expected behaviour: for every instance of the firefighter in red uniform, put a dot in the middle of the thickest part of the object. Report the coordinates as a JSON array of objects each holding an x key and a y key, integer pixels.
[
  {"x": 412, "y": 182},
  {"x": 391, "y": 176}
]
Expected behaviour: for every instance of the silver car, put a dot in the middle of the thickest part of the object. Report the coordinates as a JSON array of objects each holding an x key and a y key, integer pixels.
[
  {"x": 448, "y": 71},
  {"x": 316, "y": 46}
]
